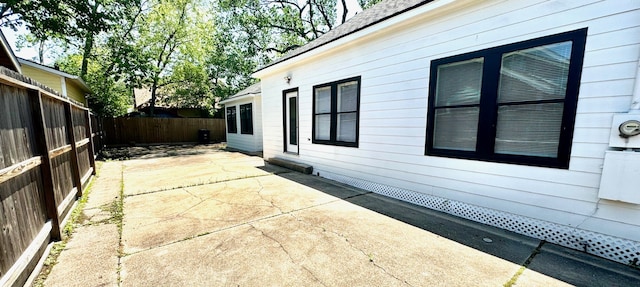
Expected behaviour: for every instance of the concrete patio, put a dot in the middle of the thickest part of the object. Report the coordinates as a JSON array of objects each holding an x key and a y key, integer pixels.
[{"x": 216, "y": 218}]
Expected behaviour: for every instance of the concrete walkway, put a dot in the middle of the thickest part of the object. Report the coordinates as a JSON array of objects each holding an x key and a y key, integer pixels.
[{"x": 225, "y": 219}]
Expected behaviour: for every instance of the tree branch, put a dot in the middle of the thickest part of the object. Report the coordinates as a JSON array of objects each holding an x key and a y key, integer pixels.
[
  {"x": 282, "y": 51},
  {"x": 344, "y": 11}
]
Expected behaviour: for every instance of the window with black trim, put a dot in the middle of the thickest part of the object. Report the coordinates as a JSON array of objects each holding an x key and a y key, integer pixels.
[
  {"x": 246, "y": 119},
  {"x": 514, "y": 103},
  {"x": 232, "y": 126},
  {"x": 336, "y": 112}
]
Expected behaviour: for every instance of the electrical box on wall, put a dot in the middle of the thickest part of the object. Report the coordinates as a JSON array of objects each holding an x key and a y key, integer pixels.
[
  {"x": 620, "y": 175},
  {"x": 625, "y": 131}
]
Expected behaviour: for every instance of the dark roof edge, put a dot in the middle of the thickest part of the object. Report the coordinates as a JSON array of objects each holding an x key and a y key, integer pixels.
[
  {"x": 286, "y": 58},
  {"x": 12, "y": 56},
  {"x": 254, "y": 89}
]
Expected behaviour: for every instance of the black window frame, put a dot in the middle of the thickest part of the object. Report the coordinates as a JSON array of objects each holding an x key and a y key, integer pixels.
[
  {"x": 246, "y": 119},
  {"x": 232, "y": 122},
  {"x": 488, "y": 106},
  {"x": 334, "y": 113}
]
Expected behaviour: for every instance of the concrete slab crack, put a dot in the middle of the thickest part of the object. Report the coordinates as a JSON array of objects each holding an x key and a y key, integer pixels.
[
  {"x": 236, "y": 225},
  {"x": 262, "y": 197},
  {"x": 197, "y": 184},
  {"x": 288, "y": 254},
  {"x": 354, "y": 247}
]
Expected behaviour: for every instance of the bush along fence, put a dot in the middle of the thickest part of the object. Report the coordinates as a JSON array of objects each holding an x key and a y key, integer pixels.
[
  {"x": 147, "y": 131},
  {"x": 46, "y": 159}
]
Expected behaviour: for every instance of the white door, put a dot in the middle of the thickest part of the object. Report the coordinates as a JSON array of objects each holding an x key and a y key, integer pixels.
[{"x": 291, "y": 122}]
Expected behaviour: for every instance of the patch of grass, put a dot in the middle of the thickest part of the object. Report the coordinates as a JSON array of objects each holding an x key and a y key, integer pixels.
[
  {"x": 117, "y": 216},
  {"x": 515, "y": 277},
  {"x": 524, "y": 267}
]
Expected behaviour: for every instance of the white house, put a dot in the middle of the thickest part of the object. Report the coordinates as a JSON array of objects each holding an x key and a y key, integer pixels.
[
  {"x": 503, "y": 112},
  {"x": 244, "y": 120}
]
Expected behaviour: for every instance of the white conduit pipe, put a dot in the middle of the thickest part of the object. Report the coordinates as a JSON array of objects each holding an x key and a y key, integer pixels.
[{"x": 635, "y": 101}]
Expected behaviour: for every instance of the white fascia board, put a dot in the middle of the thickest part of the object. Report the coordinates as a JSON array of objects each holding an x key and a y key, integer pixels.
[
  {"x": 45, "y": 68},
  {"x": 239, "y": 98},
  {"x": 431, "y": 9}
]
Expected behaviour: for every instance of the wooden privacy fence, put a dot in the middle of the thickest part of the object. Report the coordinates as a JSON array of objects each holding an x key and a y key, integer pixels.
[
  {"x": 46, "y": 159},
  {"x": 126, "y": 131}
]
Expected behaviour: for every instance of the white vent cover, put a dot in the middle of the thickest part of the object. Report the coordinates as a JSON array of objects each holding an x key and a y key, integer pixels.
[{"x": 617, "y": 249}]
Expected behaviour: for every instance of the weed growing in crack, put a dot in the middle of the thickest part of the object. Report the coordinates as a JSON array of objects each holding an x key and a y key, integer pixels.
[
  {"x": 513, "y": 279},
  {"x": 370, "y": 255},
  {"x": 76, "y": 218},
  {"x": 117, "y": 216}
]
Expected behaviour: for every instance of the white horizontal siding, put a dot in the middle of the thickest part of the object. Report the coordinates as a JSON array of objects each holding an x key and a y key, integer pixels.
[
  {"x": 245, "y": 142},
  {"x": 394, "y": 66}
]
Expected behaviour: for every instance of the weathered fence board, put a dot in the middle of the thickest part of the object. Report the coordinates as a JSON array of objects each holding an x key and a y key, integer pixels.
[
  {"x": 14, "y": 131},
  {"x": 125, "y": 131},
  {"x": 46, "y": 158}
]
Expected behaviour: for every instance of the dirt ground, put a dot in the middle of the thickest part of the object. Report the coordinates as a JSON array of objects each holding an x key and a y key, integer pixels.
[{"x": 155, "y": 151}]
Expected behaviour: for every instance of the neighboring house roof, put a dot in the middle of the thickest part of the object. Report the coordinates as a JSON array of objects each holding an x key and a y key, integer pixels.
[
  {"x": 73, "y": 78},
  {"x": 141, "y": 97},
  {"x": 376, "y": 14},
  {"x": 250, "y": 91},
  {"x": 7, "y": 58}
]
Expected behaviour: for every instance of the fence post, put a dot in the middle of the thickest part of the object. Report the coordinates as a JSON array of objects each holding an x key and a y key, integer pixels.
[
  {"x": 75, "y": 166},
  {"x": 42, "y": 146},
  {"x": 89, "y": 134}
]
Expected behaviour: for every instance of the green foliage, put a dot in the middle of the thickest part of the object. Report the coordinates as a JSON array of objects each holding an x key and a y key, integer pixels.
[
  {"x": 365, "y": 4},
  {"x": 189, "y": 53},
  {"x": 44, "y": 18},
  {"x": 109, "y": 97},
  {"x": 190, "y": 88},
  {"x": 277, "y": 26}
]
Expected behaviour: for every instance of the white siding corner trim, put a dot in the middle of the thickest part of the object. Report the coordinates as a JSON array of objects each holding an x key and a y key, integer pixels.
[{"x": 610, "y": 247}]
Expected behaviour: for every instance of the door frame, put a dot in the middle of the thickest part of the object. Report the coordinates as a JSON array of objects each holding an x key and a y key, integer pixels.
[{"x": 285, "y": 118}]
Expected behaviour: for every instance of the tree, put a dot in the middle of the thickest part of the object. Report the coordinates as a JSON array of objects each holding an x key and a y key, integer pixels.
[
  {"x": 91, "y": 18},
  {"x": 190, "y": 53},
  {"x": 366, "y": 4},
  {"x": 76, "y": 22},
  {"x": 52, "y": 47},
  {"x": 279, "y": 26},
  {"x": 110, "y": 97},
  {"x": 164, "y": 30},
  {"x": 188, "y": 82},
  {"x": 253, "y": 33},
  {"x": 44, "y": 18}
]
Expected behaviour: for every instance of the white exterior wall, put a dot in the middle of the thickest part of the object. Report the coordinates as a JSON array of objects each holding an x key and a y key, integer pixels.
[
  {"x": 248, "y": 143},
  {"x": 393, "y": 60}
]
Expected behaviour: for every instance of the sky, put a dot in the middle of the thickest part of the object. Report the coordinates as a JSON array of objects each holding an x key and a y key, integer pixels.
[
  {"x": 32, "y": 53},
  {"x": 27, "y": 53}
]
